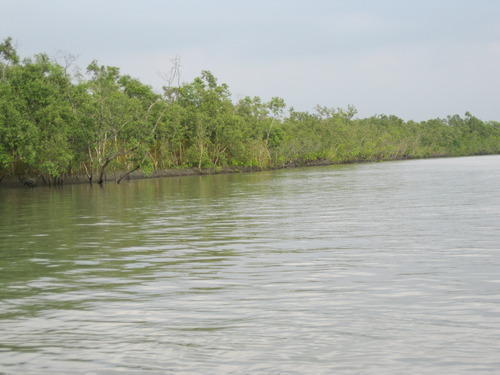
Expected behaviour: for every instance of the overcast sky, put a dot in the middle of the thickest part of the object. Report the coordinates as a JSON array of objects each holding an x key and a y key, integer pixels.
[{"x": 415, "y": 59}]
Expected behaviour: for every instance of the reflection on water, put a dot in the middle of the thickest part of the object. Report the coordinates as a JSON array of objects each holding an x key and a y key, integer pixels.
[{"x": 372, "y": 268}]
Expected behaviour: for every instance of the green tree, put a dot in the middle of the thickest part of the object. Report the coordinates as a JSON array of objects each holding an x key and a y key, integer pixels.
[
  {"x": 36, "y": 119},
  {"x": 121, "y": 127}
]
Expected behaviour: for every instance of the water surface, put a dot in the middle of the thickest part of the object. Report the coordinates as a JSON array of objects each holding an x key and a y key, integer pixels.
[{"x": 382, "y": 268}]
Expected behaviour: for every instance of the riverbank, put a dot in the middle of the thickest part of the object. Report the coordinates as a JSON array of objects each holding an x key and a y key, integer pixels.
[
  {"x": 30, "y": 182},
  {"x": 113, "y": 177}
]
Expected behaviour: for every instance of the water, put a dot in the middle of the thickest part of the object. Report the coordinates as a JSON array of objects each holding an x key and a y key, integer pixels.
[{"x": 384, "y": 268}]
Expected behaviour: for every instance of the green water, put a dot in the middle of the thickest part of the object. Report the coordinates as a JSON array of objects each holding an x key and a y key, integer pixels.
[{"x": 383, "y": 268}]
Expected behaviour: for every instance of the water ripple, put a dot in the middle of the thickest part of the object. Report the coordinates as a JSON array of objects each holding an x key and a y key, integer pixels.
[{"x": 376, "y": 268}]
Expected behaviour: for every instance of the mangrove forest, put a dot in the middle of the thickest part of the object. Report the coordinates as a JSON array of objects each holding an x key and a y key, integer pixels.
[{"x": 56, "y": 125}]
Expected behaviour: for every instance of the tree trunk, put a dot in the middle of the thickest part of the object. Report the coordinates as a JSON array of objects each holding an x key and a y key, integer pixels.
[
  {"x": 127, "y": 174},
  {"x": 108, "y": 160},
  {"x": 88, "y": 173},
  {"x": 101, "y": 172}
]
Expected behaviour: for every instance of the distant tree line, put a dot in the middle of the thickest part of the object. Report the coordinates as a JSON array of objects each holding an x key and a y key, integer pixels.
[{"x": 54, "y": 124}]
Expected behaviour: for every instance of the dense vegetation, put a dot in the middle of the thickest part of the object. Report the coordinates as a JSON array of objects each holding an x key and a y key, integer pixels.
[{"x": 54, "y": 125}]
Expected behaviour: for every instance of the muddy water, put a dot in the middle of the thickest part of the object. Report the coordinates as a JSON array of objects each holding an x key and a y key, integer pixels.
[{"x": 384, "y": 268}]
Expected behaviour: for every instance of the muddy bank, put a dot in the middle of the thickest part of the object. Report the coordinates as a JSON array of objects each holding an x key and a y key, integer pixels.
[{"x": 30, "y": 182}]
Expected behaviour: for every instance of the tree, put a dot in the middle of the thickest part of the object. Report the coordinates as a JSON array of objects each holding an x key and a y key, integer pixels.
[
  {"x": 8, "y": 52},
  {"x": 208, "y": 115},
  {"x": 120, "y": 126},
  {"x": 36, "y": 119}
]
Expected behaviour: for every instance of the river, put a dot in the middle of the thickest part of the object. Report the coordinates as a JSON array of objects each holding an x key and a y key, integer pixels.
[{"x": 376, "y": 268}]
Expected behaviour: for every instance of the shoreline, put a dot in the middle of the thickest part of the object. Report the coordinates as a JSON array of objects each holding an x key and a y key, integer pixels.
[{"x": 15, "y": 182}]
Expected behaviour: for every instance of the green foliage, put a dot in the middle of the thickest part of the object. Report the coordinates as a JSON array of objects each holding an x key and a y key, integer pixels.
[
  {"x": 36, "y": 118},
  {"x": 8, "y": 52},
  {"x": 109, "y": 123}
]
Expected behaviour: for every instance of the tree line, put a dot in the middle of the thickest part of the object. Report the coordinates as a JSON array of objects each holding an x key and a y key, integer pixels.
[{"x": 54, "y": 125}]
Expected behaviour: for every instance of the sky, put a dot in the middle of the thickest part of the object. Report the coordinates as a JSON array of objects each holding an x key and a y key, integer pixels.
[{"x": 414, "y": 59}]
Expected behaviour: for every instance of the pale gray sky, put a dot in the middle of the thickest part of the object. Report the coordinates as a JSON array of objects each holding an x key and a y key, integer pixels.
[{"x": 415, "y": 59}]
